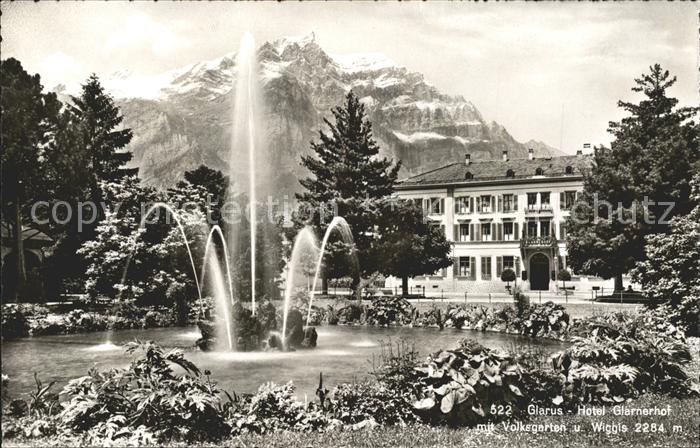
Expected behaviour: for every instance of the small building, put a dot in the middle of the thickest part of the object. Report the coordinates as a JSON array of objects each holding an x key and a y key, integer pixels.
[{"x": 499, "y": 214}]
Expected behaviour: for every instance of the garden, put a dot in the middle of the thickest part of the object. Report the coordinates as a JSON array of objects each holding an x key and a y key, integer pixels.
[{"x": 162, "y": 397}]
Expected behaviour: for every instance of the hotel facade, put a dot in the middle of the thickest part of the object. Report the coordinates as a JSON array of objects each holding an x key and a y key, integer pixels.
[{"x": 500, "y": 214}]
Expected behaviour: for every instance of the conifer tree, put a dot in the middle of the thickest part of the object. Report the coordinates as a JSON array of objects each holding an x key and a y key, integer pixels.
[
  {"x": 653, "y": 157},
  {"x": 348, "y": 177},
  {"x": 102, "y": 134}
]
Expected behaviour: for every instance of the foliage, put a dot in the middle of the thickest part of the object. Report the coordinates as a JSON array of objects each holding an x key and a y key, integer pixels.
[
  {"x": 649, "y": 165},
  {"x": 348, "y": 175},
  {"x": 390, "y": 311},
  {"x": 215, "y": 184},
  {"x": 148, "y": 393},
  {"x": 508, "y": 275},
  {"x": 545, "y": 319},
  {"x": 14, "y": 322},
  {"x": 30, "y": 122},
  {"x": 409, "y": 245},
  {"x": 468, "y": 385},
  {"x": 671, "y": 272},
  {"x": 133, "y": 262},
  {"x": 275, "y": 408}
]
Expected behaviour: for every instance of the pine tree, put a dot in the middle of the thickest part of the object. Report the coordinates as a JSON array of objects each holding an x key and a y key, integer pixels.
[
  {"x": 348, "y": 175},
  {"x": 653, "y": 156},
  {"x": 103, "y": 136}
]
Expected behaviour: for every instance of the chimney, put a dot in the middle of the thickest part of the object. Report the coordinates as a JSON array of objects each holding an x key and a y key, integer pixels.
[
  {"x": 530, "y": 154},
  {"x": 505, "y": 156},
  {"x": 467, "y": 159}
]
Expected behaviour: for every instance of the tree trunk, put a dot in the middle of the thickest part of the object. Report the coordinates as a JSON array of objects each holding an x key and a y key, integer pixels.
[
  {"x": 324, "y": 285},
  {"x": 618, "y": 282},
  {"x": 404, "y": 286},
  {"x": 20, "y": 268}
]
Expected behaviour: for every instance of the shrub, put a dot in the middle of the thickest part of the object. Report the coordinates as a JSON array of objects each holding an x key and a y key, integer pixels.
[
  {"x": 14, "y": 322},
  {"x": 547, "y": 319},
  {"x": 508, "y": 275},
  {"x": 469, "y": 385},
  {"x": 274, "y": 408},
  {"x": 390, "y": 311},
  {"x": 147, "y": 394}
]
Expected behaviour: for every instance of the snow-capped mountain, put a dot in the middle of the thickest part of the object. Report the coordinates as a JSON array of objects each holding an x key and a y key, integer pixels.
[{"x": 182, "y": 118}]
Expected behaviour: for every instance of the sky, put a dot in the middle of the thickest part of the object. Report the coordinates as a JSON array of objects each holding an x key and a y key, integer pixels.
[{"x": 551, "y": 72}]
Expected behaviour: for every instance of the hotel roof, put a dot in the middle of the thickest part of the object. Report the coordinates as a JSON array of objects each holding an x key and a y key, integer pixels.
[{"x": 497, "y": 171}]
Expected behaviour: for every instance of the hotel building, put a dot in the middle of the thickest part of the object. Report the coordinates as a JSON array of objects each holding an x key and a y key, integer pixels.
[{"x": 499, "y": 214}]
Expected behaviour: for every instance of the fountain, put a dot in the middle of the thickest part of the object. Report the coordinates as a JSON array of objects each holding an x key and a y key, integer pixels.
[
  {"x": 246, "y": 145},
  {"x": 304, "y": 241},
  {"x": 342, "y": 225},
  {"x": 234, "y": 327}
]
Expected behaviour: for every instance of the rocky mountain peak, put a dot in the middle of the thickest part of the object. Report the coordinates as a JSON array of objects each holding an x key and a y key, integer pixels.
[{"x": 182, "y": 118}]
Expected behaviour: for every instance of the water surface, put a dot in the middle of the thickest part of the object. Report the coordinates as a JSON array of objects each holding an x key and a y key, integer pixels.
[{"x": 343, "y": 354}]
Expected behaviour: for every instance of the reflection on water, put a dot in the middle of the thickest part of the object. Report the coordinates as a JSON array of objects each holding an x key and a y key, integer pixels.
[
  {"x": 343, "y": 354},
  {"x": 107, "y": 346}
]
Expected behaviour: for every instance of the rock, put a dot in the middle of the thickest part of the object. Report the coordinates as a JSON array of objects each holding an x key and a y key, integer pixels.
[
  {"x": 295, "y": 329},
  {"x": 310, "y": 337}
]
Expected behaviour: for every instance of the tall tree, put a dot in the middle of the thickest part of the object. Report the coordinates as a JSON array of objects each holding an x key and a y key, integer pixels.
[
  {"x": 29, "y": 119},
  {"x": 103, "y": 134},
  {"x": 630, "y": 186},
  {"x": 348, "y": 179},
  {"x": 99, "y": 146},
  {"x": 409, "y": 245}
]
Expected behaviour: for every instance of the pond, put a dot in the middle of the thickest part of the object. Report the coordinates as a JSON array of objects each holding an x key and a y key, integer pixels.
[{"x": 344, "y": 354}]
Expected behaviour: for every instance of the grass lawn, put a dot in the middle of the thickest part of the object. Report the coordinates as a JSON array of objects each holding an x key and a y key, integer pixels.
[{"x": 683, "y": 413}]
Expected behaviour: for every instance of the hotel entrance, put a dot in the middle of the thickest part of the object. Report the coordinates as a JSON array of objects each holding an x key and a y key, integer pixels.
[{"x": 539, "y": 272}]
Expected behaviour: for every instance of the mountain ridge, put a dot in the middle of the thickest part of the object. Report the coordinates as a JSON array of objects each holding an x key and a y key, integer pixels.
[{"x": 182, "y": 118}]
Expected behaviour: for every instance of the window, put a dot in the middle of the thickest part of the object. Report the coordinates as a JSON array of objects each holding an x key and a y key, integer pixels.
[
  {"x": 545, "y": 228},
  {"x": 484, "y": 203},
  {"x": 510, "y": 173},
  {"x": 532, "y": 229},
  {"x": 569, "y": 170},
  {"x": 509, "y": 263},
  {"x": 464, "y": 267},
  {"x": 486, "y": 232},
  {"x": 508, "y": 231},
  {"x": 463, "y": 235},
  {"x": 567, "y": 199},
  {"x": 508, "y": 203},
  {"x": 539, "y": 172},
  {"x": 531, "y": 201},
  {"x": 435, "y": 206},
  {"x": 469, "y": 176},
  {"x": 544, "y": 200},
  {"x": 462, "y": 205},
  {"x": 486, "y": 268}
]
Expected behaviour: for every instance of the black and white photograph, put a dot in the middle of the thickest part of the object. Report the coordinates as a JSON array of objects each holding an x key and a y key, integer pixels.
[{"x": 350, "y": 224}]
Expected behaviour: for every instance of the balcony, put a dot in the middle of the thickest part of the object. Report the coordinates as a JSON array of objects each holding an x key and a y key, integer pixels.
[
  {"x": 538, "y": 241},
  {"x": 538, "y": 208}
]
